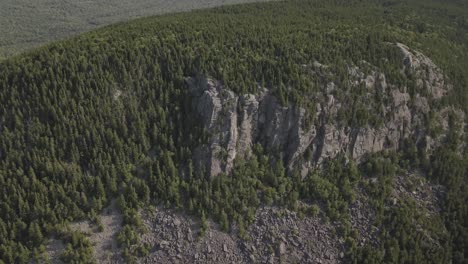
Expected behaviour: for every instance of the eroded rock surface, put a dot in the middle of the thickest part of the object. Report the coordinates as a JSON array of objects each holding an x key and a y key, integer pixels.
[{"x": 236, "y": 122}]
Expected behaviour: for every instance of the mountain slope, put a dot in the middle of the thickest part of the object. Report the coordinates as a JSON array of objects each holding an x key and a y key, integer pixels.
[
  {"x": 28, "y": 24},
  {"x": 313, "y": 106}
]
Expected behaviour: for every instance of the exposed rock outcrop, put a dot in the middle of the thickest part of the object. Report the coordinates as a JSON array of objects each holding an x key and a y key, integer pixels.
[
  {"x": 236, "y": 122},
  {"x": 427, "y": 74}
]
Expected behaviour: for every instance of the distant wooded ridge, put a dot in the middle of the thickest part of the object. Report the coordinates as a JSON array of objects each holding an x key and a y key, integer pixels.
[{"x": 26, "y": 24}]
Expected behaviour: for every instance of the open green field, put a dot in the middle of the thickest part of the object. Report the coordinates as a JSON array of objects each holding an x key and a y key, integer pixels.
[{"x": 25, "y": 24}]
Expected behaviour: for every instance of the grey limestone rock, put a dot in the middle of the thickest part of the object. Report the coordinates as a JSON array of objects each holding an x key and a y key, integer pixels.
[{"x": 235, "y": 123}]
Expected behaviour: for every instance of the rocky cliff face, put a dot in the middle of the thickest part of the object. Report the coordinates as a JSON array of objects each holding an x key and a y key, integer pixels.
[{"x": 236, "y": 122}]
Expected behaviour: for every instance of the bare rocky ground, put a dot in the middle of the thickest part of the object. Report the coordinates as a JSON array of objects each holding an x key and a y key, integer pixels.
[
  {"x": 412, "y": 186},
  {"x": 277, "y": 235},
  {"x": 362, "y": 219},
  {"x": 428, "y": 197}
]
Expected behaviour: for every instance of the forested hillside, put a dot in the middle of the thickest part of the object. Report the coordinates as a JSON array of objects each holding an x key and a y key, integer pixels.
[
  {"x": 27, "y": 24},
  {"x": 110, "y": 115}
]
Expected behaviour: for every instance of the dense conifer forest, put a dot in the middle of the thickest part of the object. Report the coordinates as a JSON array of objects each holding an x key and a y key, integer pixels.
[
  {"x": 106, "y": 115},
  {"x": 27, "y": 24}
]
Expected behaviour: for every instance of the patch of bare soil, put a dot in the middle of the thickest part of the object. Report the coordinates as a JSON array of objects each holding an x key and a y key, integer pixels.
[
  {"x": 54, "y": 248},
  {"x": 106, "y": 249}
]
